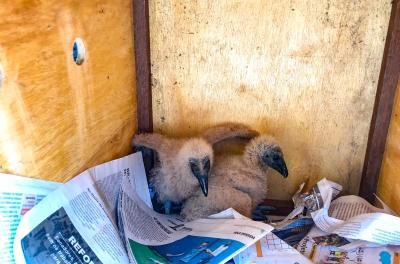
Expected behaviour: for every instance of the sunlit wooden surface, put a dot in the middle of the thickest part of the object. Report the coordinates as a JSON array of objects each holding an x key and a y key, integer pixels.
[
  {"x": 389, "y": 180},
  {"x": 57, "y": 118},
  {"x": 304, "y": 71}
]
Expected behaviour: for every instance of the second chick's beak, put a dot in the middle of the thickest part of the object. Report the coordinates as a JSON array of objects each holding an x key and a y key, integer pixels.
[{"x": 280, "y": 166}]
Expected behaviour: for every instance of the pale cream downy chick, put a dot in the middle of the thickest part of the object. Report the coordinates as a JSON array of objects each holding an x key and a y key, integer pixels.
[
  {"x": 184, "y": 165},
  {"x": 238, "y": 181}
]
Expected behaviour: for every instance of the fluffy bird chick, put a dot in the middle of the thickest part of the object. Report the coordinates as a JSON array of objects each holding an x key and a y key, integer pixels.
[
  {"x": 238, "y": 181},
  {"x": 184, "y": 164}
]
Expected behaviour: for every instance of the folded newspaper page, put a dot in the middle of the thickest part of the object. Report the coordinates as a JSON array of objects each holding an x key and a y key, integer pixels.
[
  {"x": 76, "y": 223},
  {"x": 17, "y": 196},
  {"x": 157, "y": 238}
]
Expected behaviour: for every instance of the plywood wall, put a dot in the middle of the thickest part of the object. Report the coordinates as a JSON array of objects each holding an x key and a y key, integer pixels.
[
  {"x": 389, "y": 180},
  {"x": 57, "y": 118},
  {"x": 303, "y": 71}
]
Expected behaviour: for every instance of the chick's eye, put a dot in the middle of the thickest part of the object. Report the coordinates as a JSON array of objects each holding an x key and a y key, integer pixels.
[
  {"x": 207, "y": 164},
  {"x": 195, "y": 169},
  {"x": 193, "y": 166},
  {"x": 266, "y": 157}
]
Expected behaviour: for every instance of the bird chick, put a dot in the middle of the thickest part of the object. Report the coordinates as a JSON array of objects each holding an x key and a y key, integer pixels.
[
  {"x": 238, "y": 181},
  {"x": 184, "y": 164}
]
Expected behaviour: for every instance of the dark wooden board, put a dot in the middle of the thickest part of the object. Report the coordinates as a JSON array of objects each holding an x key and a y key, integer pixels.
[
  {"x": 384, "y": 100},
  {"x": 142, "y": 65}
]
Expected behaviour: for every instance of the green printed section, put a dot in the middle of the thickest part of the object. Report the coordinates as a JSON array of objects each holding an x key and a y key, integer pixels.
[{"x": 144, "y": 254}]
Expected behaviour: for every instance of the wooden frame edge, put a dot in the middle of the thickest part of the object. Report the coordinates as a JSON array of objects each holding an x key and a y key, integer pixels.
[
  {"x": 141, "y": 41},
  {"x": 385, "y": 94}
]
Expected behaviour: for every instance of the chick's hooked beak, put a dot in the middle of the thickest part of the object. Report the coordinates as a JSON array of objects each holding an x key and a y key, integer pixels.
[
  {"x": 203, "y": 181},
  {"x": 280, "y": 166},
  {"x": 275, "y": 160},
  {"x": 201, "y": 170}
]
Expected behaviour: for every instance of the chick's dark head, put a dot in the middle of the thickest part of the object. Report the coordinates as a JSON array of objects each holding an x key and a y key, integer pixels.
[
  {"x": 264, "y": 151},
  {"x": 273, "y": 157},
  {"x": 197, "y": 155}
]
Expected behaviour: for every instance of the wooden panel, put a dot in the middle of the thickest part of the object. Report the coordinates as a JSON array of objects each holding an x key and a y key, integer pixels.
[
  {"x": 57, "y": 118},
  {"x": 383, "y": 107},
  {"x": 389, "y": 180},
  {"x": 142, "y": 56},
  {"x": 304, "y": 71}
]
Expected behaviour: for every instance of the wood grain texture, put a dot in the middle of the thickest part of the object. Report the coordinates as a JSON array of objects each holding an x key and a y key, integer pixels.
[
  {"x": 57, "y": 118},
  {"x": 142, "y": 57},
  {"x": 303, "y": 71},
  {"x": 389, "y": 180},
  {"x": 385, "y": 94}
]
